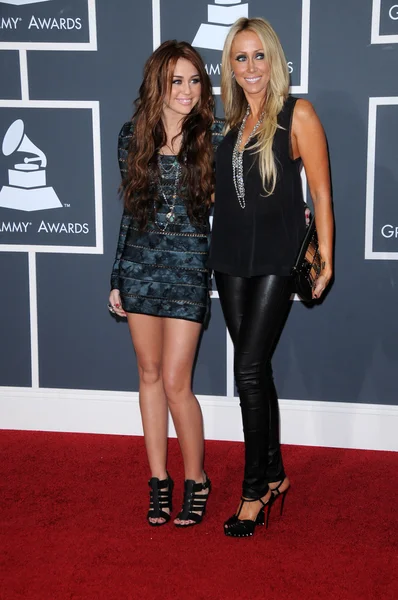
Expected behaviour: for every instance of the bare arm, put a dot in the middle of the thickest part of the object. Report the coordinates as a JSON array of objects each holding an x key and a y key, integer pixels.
[{"x": 309, "y": 142}]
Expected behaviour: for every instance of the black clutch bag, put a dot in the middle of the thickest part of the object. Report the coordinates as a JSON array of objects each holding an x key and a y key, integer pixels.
[{"x": 308, "y": 265}]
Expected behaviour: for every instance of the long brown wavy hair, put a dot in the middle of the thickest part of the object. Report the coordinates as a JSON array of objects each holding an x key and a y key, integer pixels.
[{"x": 149, "y": 135}]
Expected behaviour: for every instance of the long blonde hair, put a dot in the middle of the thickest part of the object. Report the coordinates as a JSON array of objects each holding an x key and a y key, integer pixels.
[{"x": 234, "y": 100}]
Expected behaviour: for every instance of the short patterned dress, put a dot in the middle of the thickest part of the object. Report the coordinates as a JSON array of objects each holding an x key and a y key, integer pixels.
[{"x": 162, "y": 270}]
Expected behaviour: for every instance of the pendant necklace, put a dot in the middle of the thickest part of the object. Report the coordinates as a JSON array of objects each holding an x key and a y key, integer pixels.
[{"x": 170, "y": 215}]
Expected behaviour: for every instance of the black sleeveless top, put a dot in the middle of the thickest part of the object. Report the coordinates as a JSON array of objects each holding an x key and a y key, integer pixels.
[{"x": 264, "y": 237}]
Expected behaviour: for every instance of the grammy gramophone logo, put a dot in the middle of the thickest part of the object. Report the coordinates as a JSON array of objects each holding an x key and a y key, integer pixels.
[
  {"x": 27, "y": 182},
  {"x": 22, "y": 2},
  {"x": 220, "y": 15}
]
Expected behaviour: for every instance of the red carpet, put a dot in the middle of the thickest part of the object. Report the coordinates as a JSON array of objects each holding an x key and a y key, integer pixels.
[{"x": 73, "y": 526}]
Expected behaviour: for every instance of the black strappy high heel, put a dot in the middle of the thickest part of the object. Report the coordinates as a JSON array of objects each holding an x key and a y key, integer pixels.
[
  {"x": 194, "y": 502},
  {"x": 236, "y": 527},
  {"x": 160, "y": 497},
  {"x": 276, "y": 494}
]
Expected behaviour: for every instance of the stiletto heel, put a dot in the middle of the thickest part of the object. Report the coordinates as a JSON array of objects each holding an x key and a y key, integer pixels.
[
  {"x": 261, "y": 520},
  {"x": 236, "y": 527},
  {"x": 194, "y": 504},
  {"x": 284, "y": 494},
  {"x": 261, "y": 517},
  {"x": 277, "y": 493},
  {"x": 160, "y": 497}
]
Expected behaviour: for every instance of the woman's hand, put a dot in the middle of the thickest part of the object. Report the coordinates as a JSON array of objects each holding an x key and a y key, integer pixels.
[
  {"x": 321, "y": 283},
  {"x": 115, "y": 305}
]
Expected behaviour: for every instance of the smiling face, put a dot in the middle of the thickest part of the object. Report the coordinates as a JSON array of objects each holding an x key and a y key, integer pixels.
[
  {"x": 185, "y": 89},
  {"x": 252, "y": 71}
]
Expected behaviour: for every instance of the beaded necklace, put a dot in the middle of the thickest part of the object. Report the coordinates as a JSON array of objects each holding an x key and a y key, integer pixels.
[{"x": 237, "y": 158}]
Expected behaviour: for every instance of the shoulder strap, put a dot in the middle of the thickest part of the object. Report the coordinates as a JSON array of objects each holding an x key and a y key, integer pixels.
[
  {"x": 285, "y": 119},
  {"x": 285, "y": 116}
]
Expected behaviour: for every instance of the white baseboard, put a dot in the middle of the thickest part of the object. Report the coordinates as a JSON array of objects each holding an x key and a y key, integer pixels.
[{"x": 331, "y": 424}]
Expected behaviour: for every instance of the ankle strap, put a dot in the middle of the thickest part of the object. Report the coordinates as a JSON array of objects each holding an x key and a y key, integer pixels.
[
  {"x": 250, "y": 499},
  {"x": 276, "y": 490},
  {"x": 254, "y": 500},
  {"x": 194, "y": 487},
  {"x": 159, "y": 484}
]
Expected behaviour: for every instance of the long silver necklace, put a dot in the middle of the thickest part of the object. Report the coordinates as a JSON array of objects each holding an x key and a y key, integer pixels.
[
  {"x": 237, "y": 158},
  {"x": 170, "y": 215}
]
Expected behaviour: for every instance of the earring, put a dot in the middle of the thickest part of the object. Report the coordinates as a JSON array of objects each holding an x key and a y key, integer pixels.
[{"x": 232, "y": 74}]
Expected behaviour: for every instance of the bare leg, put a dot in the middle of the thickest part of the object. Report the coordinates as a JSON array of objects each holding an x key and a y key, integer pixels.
[
  {"x": 147, "y": 335},
  {"x": 180, "y": 343},
  {"x": 285, "y": 484}
]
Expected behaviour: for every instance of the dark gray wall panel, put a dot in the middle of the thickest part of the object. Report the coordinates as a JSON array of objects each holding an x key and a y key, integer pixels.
[
  {"x": 81, "y": 346},
  {"x": 206, "y": 36},
  {"x": 65, "y": 136},
  {"x": 210, "y": 376},
  {"x": 388, "y": 18},
  {"x": 385, "y": 234},
  {"x": 10, "y": 86},
  {"x": 43, "y": 22},
  {"x": 15, "y": 367}
]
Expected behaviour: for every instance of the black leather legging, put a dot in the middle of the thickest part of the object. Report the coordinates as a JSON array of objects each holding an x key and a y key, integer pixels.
[{"x": 255, "y": 310}]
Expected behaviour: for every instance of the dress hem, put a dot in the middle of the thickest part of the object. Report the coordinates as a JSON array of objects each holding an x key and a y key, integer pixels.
[{"x": 149, "y": 314}]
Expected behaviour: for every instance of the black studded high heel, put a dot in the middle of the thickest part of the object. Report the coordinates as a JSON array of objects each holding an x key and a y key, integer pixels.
[
  {"x": 277, "y": 493},
  {"x": 236, "y": 527},
  {"x": 160, "y": 497},
  {"x": 194, "y": 502}
]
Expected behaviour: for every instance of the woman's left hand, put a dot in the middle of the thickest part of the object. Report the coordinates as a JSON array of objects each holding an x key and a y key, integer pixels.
[{"x": 321, "y": 283}]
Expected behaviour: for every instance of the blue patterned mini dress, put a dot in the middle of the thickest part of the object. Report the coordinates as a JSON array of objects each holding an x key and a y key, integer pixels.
[{"x": 162, "y": 270}]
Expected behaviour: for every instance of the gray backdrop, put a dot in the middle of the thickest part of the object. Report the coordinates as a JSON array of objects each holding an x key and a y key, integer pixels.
[{"x": 342, "y": 350}]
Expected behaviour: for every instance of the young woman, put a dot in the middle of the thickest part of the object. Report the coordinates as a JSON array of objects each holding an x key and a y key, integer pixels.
[
  {"x": 259, "y": 224},
  {"x": 160, "y": 278}
]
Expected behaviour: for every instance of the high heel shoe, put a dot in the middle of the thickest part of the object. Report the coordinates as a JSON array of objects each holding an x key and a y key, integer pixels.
[
  {"x": 194, "y": 504},
  {"x": 236, "y": 527},
  {"x": 160, "y": 497},
  {"x": 277, "y": 493}
]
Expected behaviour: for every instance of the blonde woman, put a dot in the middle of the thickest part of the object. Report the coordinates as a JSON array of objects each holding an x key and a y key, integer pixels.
[{"x": 259, "y": 223}]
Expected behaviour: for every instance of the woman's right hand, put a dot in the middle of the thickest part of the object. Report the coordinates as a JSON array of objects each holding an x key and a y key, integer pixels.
[{"x": 115, "y": 305}]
